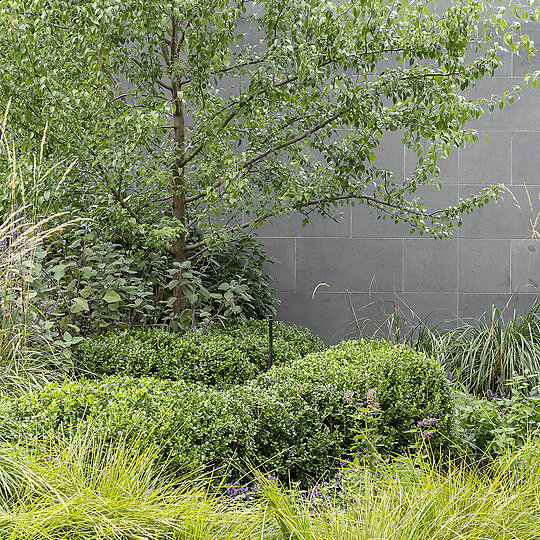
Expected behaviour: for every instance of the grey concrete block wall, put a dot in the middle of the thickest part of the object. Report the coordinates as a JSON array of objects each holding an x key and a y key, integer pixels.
[{"x": 370, "y": 267}]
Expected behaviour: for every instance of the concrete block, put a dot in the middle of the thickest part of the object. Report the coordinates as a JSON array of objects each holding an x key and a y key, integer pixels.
[
  {"x": 484, "y": 266},
  {"x": 430, "y": 265},
  {"x": 366, "y": 224},
  {"x": 525, "y": 257},
  {"x": 327, "y": 315},
  {"x": 291, "y": 225},
  {"x": 283, "y": 270},
  {"x": 437, "y": 310},
  {"x": 509, "y": 217},
  {"x": 526, "y": 158},
  {"x": 486, "y": 162},
  {"x": 523, "y": 115},
  {"x": 390, "y": 154},
  {"x": 356, "y": 265},
  {"x": 472, "y": 306}
]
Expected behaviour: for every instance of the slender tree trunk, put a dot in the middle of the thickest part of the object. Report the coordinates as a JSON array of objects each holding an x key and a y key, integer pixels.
[{"x": 179, "y": 202}]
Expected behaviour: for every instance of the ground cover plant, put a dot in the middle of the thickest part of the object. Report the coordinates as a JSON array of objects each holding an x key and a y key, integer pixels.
[{"x": 500, "y": 421}]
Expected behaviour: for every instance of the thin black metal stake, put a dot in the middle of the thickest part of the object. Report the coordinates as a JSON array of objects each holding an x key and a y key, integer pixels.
[{"x": 270, "y": 341}]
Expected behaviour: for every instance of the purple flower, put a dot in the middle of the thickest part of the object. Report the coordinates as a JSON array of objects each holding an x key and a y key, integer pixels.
[
  {"x": 428, "y": 422},
  {"x": 316, "y": 492},
  {"x": 536, "y": 392},
  {"x": 343, "y": 463},
  {"x": 232, "y": 489},
  {"x": 491, "y": 395},
  {"x": 272, "y": 479},
  {"x": 348, "y": 396},
  {"x": 428, "y": 434},
  {"x": 449, "y": 376},
  {"x": 370, "y": 399}
]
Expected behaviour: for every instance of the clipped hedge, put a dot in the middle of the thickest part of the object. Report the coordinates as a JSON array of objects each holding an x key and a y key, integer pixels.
[
  {"x": 409, "y": 387},
  {"x": 290, "y": 342},
  {"x": 224, "y": 357},
  {"x": 194, "y": 425},
  {"x": 294, "y": 419}
]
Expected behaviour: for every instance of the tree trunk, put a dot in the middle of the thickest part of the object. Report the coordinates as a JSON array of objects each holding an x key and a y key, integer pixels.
[{"x": 179, "y": 202}]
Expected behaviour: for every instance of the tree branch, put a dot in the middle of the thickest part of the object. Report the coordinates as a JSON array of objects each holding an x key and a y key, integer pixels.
[
  {"x": 296, "y": 139},
  {"x": 157, "y": 81}
]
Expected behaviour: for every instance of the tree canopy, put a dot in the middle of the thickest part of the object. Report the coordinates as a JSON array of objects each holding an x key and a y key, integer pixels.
[{"x": 193, "y": 121}]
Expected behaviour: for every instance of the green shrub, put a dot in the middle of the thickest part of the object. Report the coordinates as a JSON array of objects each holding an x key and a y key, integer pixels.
[
  {"x": 294, "y": 419},
  {"x": 290, "y": 342},
  {"x": 194, "y": 425},
  {"x": 500, "y": 422},
  {"x": 409, "y": 387},
  {"x": 225, "y": 356}
]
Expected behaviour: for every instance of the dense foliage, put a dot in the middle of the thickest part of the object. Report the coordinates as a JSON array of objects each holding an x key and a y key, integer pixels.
[
  {"x": 225, "y": 356},
  {"x": 406, "y": 386},
  {"x": 500, "y": 421},
  {"x": 191, "y": 123},
  {"x": 295, "y": 419}
]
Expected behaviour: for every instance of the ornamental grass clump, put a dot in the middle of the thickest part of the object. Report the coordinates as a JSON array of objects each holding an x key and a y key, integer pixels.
[
  {"x": 414, "y": 498},
  {"x": 486, "y": 355},
  {"x": 29, "y": 356}
]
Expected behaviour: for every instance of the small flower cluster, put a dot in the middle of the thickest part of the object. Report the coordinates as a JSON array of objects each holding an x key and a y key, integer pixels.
[
  {"x": 273, "y": 479},
  {"x": 493, "y": 395},
  {"x": 349, "y": 394},
  {"x": 237, "y": 491},
  {"x": 426, "y": 422},
  {"x": 318, "y": 492},
  {"x": 370, "y": 400}
]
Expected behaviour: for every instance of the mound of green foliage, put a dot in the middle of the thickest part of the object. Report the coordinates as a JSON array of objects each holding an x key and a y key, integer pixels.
[
  {"x": 225, "y": 356},
  {"x": 296, "y": 419},
  {"x": 499, "y": 422}
]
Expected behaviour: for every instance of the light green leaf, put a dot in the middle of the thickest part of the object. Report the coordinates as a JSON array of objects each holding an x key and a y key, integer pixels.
[{"x": 112, "y": 296}]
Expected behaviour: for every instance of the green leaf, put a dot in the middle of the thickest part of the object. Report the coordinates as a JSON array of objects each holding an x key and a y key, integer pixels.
[
  {"x": 185, "y": 317},
  {"x": 79, "y": 304},
  {"x": 190, "y": 295},
  {"x": 112, "y": 296}
]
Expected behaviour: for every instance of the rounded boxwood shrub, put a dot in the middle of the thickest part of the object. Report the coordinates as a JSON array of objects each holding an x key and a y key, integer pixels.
[
  {"x": 194, "y": 425},
  {"x": 224, "y": 357},
  {"x": 290, "y": 342},
  {"x": 407, "y": 386},
  {"x": 296, "y": 419}
]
